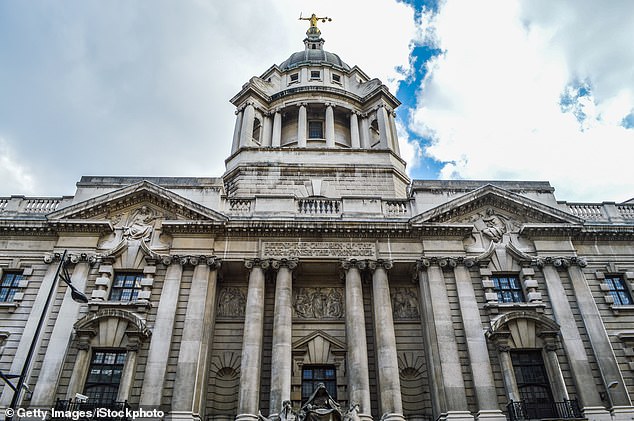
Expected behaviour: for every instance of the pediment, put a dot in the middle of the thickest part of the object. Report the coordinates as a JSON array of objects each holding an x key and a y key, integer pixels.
[
  {"x": 321, "y": 336},
  {"x": 114, "y": 205},
  {"x": 489, "y": 199}
]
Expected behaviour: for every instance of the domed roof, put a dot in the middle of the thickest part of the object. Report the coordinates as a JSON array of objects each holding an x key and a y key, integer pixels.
[{"x": 314, "y": 57}]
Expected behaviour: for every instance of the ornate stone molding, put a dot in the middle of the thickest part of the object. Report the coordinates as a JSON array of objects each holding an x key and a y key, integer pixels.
[
  {"x": 560, "y": 262},
  {"x": 451, "y": 262},
  {"x": 379, "y": 263},
  {"x": 287, "y": 263},
  {"x": 261, "y": 263},
  {"x": 72, "y": 258},
  {"x": 354, "y": 263}
]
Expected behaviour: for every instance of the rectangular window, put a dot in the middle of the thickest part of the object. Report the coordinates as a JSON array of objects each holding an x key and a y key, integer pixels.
[
  {"x": 532, "y": 382},
  {"x": 336, "y": 78},
  {"x": 315, "y": 130},
  {"x": 9, "y": 286},
  {"x": 125, "y": 287},
  {"x": 294, "y": 77},
  {"x": 315, "y": 74},
  {"x": 312, "y": 375},
  {"x": 508, "y": 288},
  {"x": 619, "y": 290},
  {"x": 104, "y": 376}
]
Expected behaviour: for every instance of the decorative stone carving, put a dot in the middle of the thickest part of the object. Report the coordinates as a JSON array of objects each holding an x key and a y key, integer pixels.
[
  {"x": 289, "y": 249},
  {"x": 139, "y": 225},
  {"x": 405, "y": 304},
  {"x": 231, "y": 302},
  {"x": 320, "y": 406},
  {"x": 318, "y": 303}
]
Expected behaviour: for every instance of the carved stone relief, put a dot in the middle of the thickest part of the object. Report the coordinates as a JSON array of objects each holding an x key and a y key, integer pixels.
[
  {"x": 405, "y": 304},
  {"x": 318, "y": 303},
  {"x": 140, "y": 224},
  {"x": 231, "y": 302}
]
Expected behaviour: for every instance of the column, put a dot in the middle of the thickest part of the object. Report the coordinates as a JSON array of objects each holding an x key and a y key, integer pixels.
[
  {"x": 266, "y": 131},
  {"x": 330, "y": 126},
  {"x": 480, "y": 363},
  {"x": 158, "y": 353},
  {"x": 510, "y": 383},
  {"x": 246, "y": 132},
  {"x": 365, "y": 132},
  {"x": 192, "y": 358},
  {"x": 619, "y": 395},
  {"x": 281, "y": 354},
  {"x": 384, "y": 127},
  {"x": 387, "y": 362},
  {"x": 393, "y": 133},
  {"x": 46, "y": 386},
  {"x": 129, "y": 369},
  {"x": 589, "y": 398},
  {"x": 29, "y": 331},
  {"x": 358, "y": 377},
  {"x": 355, "y": 140},
  {"x": 448, "y": 366},
  {"x": 560, "y": 392},
  {"x": 301, "y": 126},
  {"x": 276, "y": 137},
  {"x": 80, "y": 368},
  {"x": 235, "y": 145},
  {"x": 248, "y": 399}
]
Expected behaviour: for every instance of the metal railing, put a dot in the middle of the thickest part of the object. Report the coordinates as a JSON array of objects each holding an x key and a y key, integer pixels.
[
  {"x": 522, "y": 410},
  {"x": 64, "y": 407}
]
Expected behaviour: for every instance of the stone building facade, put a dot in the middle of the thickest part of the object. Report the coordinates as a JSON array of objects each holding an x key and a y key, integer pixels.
[{"x": 315, "y": 260}]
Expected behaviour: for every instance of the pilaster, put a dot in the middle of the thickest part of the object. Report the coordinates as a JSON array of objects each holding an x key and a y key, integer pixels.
[
  {"x": 246, "y": 132},
  {"x": 301, "y": 126},
  {"x": 355, "y": 140},
  {"x": 193, "y": 354},
  {"x": 158, "y": 353},
  {"x": 235, "y": 145},
  {"x": 276, "y": 137},
  {"x": 330, "y": 126}
]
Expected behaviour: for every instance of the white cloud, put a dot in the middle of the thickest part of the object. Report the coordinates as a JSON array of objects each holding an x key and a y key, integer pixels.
[
  {"x": 120, "y": 88},
  {"x": 491, "y": 102},
  {"x": 16, "y": 178}
]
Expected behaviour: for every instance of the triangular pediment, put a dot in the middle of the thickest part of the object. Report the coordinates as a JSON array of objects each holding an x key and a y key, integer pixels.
[
  {"x": 336, "y": 344},
  {"x": 144, "y": 193},
  {"x": 523, "y": 209}
]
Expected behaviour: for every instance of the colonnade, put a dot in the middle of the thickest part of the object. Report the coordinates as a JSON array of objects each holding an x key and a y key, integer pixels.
[
  {"x": 358, "y": 374},
  {"x": 271, "y": 126}
]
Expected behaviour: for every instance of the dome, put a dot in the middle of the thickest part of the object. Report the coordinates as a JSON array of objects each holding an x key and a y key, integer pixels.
[{"x": 314, "y": 57}]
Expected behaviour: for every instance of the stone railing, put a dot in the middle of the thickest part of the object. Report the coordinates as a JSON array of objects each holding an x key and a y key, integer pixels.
[
  {"x": 319, "y": 206},
  {"x": 16, "y": 205},
  {"x": 602, "y": 212},
  {"x": 396, "y": 208}
]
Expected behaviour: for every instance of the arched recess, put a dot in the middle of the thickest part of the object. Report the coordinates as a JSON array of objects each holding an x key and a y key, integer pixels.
[
  {"x": 108, "y": 329},
  {"x": 224, "y": 384},
  {"x": 414, "y": 391},
  {"x": 318, "y": 349},
  {"x": 526, "y": 331}
]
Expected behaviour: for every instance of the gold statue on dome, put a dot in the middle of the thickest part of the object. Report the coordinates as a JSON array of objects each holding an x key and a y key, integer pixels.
[{"x": 313, "y": 19}]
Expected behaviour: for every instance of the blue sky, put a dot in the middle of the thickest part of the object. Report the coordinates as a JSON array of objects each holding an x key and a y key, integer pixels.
[{"x": 491, "y": 89}]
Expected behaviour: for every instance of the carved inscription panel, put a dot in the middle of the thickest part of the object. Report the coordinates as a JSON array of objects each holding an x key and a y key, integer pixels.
[
  {"x": 318, "y": 303},
  {"x": 287, "y": 249}
]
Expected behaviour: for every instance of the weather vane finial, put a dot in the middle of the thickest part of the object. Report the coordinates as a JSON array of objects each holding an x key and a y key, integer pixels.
[{"x": 313, "y": 19}]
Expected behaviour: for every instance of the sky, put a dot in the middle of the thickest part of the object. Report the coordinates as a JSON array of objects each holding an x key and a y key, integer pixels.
[{"x": 490, "y": 89}]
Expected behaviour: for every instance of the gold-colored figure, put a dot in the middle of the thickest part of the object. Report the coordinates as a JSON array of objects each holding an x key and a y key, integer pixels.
[{"x": 313, "y": 20}]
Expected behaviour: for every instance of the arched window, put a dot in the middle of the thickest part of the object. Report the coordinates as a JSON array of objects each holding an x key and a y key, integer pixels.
[{"x": 257, "y": 126}]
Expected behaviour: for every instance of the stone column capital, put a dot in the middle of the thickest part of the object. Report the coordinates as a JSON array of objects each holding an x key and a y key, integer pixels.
[
  {"x": 261, "y": 263},
  {"x": 380, "y": 263},
  {"x": 562, "y": 262},
  {"x": 290, "y": 263},
  {"x": 354, "y": 263}
]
